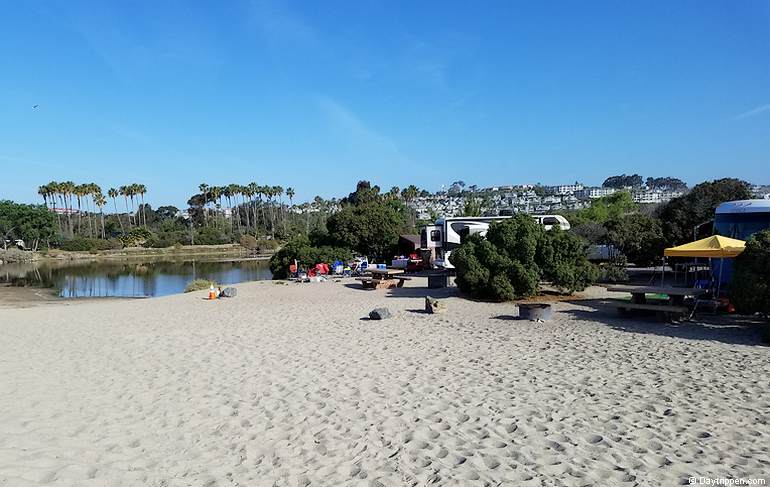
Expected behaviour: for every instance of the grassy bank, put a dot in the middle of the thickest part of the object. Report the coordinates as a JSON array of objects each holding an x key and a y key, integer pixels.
[{"x": 224, "y": 250}]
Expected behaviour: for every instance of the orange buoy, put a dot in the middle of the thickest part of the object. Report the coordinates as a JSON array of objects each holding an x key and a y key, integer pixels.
[{"x": 212, "y": 293}]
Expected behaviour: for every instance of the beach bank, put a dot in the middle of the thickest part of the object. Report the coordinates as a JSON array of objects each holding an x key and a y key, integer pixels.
[{"x": 289, "y": 384}]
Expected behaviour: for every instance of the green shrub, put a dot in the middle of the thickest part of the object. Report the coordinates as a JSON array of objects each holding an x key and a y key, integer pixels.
[
  {"x": 136, "y": 237},
  {"x": 299, "y": 248},
  {"x": 210, "y": 236},
  {"x": 249, "y": 242},
  {"x": 516, "y": 255},
  {"x": 199, "y": 285},
  {"x": 750, "y": 287},
  {"x": 164, "y": 240},
  {"x": 639, "y": 237},
  {"x": 267, "y": 245},
  {"x": 615, "y": 270},
  {"x": 83, "y": 244}
]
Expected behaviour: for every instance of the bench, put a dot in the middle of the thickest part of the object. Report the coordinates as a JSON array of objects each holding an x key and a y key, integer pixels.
[
  {"x": 372, "y": 283},
  {"x": 667, "y": 310}
]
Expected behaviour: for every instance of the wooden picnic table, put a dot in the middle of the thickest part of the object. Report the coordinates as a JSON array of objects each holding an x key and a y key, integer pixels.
[
  {"x": 674, "y": 307},
  {"x": 383, "y": 278}
]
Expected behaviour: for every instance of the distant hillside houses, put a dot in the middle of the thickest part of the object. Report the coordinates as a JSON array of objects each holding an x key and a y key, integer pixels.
[
  {"x": 529, "y": 198},
  {"x": 761, "y": 191}
]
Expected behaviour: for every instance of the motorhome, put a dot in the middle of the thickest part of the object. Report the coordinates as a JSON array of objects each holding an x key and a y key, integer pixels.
[
  {"x": 742, "y": 219},
  {"x": 448, "y": 233}
]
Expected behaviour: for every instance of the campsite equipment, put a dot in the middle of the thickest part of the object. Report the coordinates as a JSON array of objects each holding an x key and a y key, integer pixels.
[
  {"x": 535, "y": 311},
  {"x": 228, "y": 292},
  {"x": 716, "y": 246}
]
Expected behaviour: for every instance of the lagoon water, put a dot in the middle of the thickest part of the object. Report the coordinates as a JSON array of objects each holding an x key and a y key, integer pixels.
[{"x": 131, "y": 279}]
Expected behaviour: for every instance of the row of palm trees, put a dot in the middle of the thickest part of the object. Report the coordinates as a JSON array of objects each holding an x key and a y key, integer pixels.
[
  {"x": 68, "y": 194},
  {"x": 247, "y": 202}
]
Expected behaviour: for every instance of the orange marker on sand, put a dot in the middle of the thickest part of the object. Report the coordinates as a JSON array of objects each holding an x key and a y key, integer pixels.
[{"x": 212, "y": 293}]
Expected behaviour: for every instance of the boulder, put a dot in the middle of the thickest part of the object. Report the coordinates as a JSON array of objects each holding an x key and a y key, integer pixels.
[
  {"x": 379, "y": 314},
  {"x": 229, "y": 292},
  {"x": 434, "y": 306}
]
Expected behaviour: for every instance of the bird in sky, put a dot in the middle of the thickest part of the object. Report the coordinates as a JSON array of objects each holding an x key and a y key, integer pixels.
[{"x": 35, "y": 106}]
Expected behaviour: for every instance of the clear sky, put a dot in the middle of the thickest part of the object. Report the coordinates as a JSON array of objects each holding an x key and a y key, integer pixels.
[{"x": 317, "y": 95}]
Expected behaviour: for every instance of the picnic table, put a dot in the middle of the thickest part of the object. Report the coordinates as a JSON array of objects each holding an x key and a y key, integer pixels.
[
  {"x": 672, "y": 307},
  {"x": 383, "y": 278}
]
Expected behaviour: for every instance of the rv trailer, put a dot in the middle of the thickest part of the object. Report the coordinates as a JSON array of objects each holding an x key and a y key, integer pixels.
[{"x": 447, "y": 234}]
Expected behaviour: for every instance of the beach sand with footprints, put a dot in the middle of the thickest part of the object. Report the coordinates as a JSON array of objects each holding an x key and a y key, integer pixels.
[{"x": 288, "y": 385}]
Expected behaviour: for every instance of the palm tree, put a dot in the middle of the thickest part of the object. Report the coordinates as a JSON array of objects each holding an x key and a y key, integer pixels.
[
  {"x": 125, "y": 192},
  {"x": 113, "y": 193},
  {"x": 133, "y": 191},
  {"x": 48, "y": 192},
  {"x": 245, "y": 193},
  {"x": 68, "y": 189},
  {"x": 100, "y": 201},
  {"x": 253, "y": 190},
  {"x": 204, "y": 189},
  {"x": 141, "y": 189}
]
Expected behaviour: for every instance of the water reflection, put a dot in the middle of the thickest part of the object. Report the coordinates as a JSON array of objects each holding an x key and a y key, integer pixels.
[{"x": 130, "y": 278}]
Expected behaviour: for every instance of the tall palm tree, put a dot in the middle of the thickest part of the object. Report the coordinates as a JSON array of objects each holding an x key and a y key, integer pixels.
[
  {"x": 141, "y": 189},
  {"x": 243, "y": 190},
  {"x": 68, "y": 189},
  {"x": 100, "y": 201},
  {"x": 204, "y": 189},
  {"x": 125, "y": 192},
  {"x": 133, "y": 191},
  {"x": 48, "y": 192},
  {"x": 113, "y": 193},
  {"x": 253, "y": 189}
]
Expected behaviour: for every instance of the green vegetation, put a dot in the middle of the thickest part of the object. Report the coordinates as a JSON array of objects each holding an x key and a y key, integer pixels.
[
  {"x": 681, "y": 216},
  {"x": 32, "y": 223},
  {"x": 199, "y": 285},
  {"x": 606, "y": 208},
  {"x": 639, "y": 237},
  {"x": 750, "y": 288},
  {"x": 306, "y": 254},
  {"x": 516, "y": 255},
  {"x": 85, "y": 244}
]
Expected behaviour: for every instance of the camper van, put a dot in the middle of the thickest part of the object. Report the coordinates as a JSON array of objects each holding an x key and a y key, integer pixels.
[{"x": 448, "y": 233}]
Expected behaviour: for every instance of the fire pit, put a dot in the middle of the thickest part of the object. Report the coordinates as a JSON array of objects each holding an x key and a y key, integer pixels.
[{"x": 535, "y": 311}]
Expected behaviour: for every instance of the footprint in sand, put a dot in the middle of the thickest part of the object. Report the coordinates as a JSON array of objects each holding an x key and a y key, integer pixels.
[{"x": 594, "y": 439}]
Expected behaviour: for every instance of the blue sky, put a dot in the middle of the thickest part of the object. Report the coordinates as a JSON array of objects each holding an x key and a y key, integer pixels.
[{"x": 317, "y": 95}]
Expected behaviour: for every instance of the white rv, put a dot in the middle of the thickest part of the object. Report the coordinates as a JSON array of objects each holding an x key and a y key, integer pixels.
[{"x": 448, "y": 233}]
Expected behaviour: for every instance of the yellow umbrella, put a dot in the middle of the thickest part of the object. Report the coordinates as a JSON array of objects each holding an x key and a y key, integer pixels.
[{"x": 714, "y": 246}]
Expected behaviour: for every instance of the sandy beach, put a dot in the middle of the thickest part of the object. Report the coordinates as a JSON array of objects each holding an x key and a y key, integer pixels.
[{"x": 288, "y": 385}]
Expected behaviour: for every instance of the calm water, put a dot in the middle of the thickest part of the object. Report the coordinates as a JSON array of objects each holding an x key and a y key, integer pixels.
[{"x": 132, "y": 278}]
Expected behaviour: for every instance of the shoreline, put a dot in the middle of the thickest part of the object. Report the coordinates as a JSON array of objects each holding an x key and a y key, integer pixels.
[{"x": 224, "y": 250}]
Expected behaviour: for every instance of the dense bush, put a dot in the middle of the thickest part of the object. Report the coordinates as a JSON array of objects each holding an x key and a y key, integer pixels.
[
  {"x": 32, "y": 223},
  {"x": 750, "y": 288},
  {"x": 299, "y": 248},
  {"x": 371, "y": 228},
  {"x": 267, "y": 245},
  {"x": 562, "y": 257},
  {"x": 592, "y": 232},
  {"x": 82, "y": 244},
  {"x": 516, "y": 255},
  {"x": 639, "y": 237},
  {"x": 681, "y": 215},
  {"x": 210, "y": 236},
  {"x": 166, "y": 239},
  {"x": 248, "y": 242},
  {"x": 136, "y": 237},
  {"x": 615, "y": 270}
]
